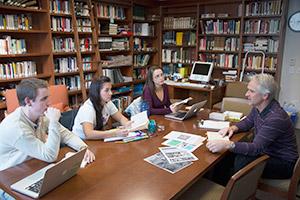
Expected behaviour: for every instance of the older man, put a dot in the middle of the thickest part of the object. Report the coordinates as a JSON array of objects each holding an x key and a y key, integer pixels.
[{"x": 273, "y": 132}]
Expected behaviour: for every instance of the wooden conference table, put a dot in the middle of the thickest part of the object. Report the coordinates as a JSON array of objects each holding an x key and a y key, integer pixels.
[{"x": 120, "y": 172}]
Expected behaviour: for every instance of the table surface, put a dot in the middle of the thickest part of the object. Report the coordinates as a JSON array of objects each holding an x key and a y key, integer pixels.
[{"x": 120, "y": 171}]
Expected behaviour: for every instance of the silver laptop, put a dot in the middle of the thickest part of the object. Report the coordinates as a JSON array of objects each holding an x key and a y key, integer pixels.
[
  {"x": 182, "y": 115},
  {"x": 49, "y": 177}
]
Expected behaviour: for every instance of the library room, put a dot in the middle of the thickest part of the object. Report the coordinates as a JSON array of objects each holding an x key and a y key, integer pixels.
[{"x": 150, "y": 99}]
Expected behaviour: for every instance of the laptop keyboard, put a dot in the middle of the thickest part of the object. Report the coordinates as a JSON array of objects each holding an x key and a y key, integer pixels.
[
  {"x": 180, "y": 114},
  {"x": 36, "y": 187}
]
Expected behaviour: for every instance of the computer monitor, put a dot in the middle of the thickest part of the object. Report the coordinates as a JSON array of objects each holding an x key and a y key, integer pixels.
[{"x": 201, "y": 71}]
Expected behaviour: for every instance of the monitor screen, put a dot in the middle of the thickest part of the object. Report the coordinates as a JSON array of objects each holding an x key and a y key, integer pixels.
[{"x": 201, "y": 71}]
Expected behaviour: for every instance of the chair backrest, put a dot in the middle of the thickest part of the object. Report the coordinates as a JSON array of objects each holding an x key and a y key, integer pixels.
[
  {"x": 58, "y": 98},
  {"x": 293, "y": 187},
  {"x": 236, "y": 89},
  {"x": 243, "y": 184}
]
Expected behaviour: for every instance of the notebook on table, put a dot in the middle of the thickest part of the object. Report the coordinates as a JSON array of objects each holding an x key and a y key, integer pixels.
[
  {"x": 49, "y": 177},
  {"x": 183, "y": 115}
]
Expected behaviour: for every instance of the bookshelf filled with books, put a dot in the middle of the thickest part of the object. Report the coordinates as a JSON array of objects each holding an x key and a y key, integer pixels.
[
  {"x": 25, "y": 44},
  {"x": 112, "y": 21},
  {"x": 179, "y": 42},
  {"x": 146, "y": 29}
]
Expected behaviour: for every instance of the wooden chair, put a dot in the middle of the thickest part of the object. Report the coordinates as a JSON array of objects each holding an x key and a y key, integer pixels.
[
  {"x": 283, "y": 188},
  {"x": 58, "y": 98},
  {"x": 242, "y": 185}
]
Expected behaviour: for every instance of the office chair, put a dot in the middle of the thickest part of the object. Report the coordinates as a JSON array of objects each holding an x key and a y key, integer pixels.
[
  {"x": 241, "y": 186},
  {"x": 282, "y": 188}
]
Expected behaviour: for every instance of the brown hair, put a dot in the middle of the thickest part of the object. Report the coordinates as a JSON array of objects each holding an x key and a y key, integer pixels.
[
  {"x": 28, "y": 88},
  {"x": 149, "y": 80}
]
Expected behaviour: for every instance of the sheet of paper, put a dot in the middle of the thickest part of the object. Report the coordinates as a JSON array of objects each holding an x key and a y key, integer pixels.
[
  {"x": 176, "y": 155},
  {"x": 211, "y": 124},
  {"x": 215, "y": 136},
  {"x": 183, "y": 101},
  {"x": 160, "y": 161},
  {"x": 181, "y": 145},
  {"x": 185, "y": 137},
  {"x": 130, "y": 135},
  {"x": 140, "y": 121}
]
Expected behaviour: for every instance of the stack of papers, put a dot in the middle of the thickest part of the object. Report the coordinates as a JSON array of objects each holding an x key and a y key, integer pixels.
[
  {"x": 132, "y": 136},
  {"x": 211, "y": 124},
  {"x": 171, "y": 159},
  {"x": 215, "y": 136},
  {"x": 185, "y": 141}
]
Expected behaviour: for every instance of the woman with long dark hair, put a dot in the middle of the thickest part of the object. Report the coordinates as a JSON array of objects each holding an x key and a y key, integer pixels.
[
  {"x": 156, "y": 93},
  {"x": 95, "y": 112}
]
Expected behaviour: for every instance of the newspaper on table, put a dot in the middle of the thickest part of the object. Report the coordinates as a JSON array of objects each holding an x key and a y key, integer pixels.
[
  {"x": 160, "y": 161},
  {"x": 176, "y": 155}
]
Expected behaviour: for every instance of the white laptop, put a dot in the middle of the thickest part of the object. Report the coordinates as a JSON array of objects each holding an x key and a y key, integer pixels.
[
  {"x": 182, "y": 115},
  {"x": 49, "y": 177}
]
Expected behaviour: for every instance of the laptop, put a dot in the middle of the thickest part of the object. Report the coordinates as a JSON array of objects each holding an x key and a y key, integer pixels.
[
  {"x": 49, "y": 177},
  {"x": 182, "y": 115}
]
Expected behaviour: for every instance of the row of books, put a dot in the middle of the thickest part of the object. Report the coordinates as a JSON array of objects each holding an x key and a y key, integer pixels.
[
  {"x": 141, "y": 60},
  {"x": 86, "y": 44},
  {"x": 84, "y": 25},
  {"x": 110, "y": 11},
  {"x": 34, "y": 4},
  {"x": 122, "y": 102},
  {"x": 60, "y": 44},
  {"x": 138, "y": 89},
  {"x": 86, "y": 63},
  {"x": 61, "y": 24},
  {"x": 220, "y": 26},
  {"x": 255, "y": 62},
  {"x": 63, "y": 65},
  {"x": 88, "y": 79},
  {"x": 179, "y": 38},
  {"x": 115, "y": 75},
  {"x": 10, "y": 45},
  {"x": 179, "y": 23},
  {"x": 220, "y": 60},
  {"x": 219, "y": 43},
  {"x": 169, "y": 69},
  {"x": 265, "y": 26},
  {"x": 81, "y": 9},
  {"x": 117, "y": 61},
  {"x": 143, "y": 29},
  {"x": 139, "y": 73},
  {"x": 16, "y": 22},
  {"x": 72, "y": 82},
  {"x": 60, "y": 6},
  {"x": 109, "y": 44},
  {"x": 17, "y": 69},
  {"x": 266, "y": 45},
  {"x": 142, "y": 44},
  {"x": 178, "y": 55},
  {"x": 263, "y": 8}
]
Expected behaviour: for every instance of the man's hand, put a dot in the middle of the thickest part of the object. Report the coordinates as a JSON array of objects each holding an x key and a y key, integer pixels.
[
  {"x": 218, "y": 145},
  {"x": 229, "y": 130},
  {"x": 52, "y": 114},
  {"x": 89, "y": 156}
]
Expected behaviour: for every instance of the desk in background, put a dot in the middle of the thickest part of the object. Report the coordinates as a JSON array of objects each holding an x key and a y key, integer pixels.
[
  {"x": 198, "y": 94},
  {"x": 120, "y": 172}
]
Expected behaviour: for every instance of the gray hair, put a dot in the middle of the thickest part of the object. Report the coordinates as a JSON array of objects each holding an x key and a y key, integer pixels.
[
  {"x": 28, "y": 88},
  {"x": 266, "y": 84}
]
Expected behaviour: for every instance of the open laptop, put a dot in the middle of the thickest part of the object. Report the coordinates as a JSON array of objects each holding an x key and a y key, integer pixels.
[
  {"x": 49, "y": 177},
  {"x": 182, "y": 115}
]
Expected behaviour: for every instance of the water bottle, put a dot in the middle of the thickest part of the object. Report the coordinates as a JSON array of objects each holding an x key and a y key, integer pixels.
[{"x": 152, "y": 127}]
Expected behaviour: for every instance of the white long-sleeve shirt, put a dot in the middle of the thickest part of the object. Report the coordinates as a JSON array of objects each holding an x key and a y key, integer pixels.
[{"x": 21, "y": 139}]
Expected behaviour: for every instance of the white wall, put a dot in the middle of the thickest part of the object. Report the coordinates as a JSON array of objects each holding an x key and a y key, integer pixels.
[{"x": 290, "y": 74}]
